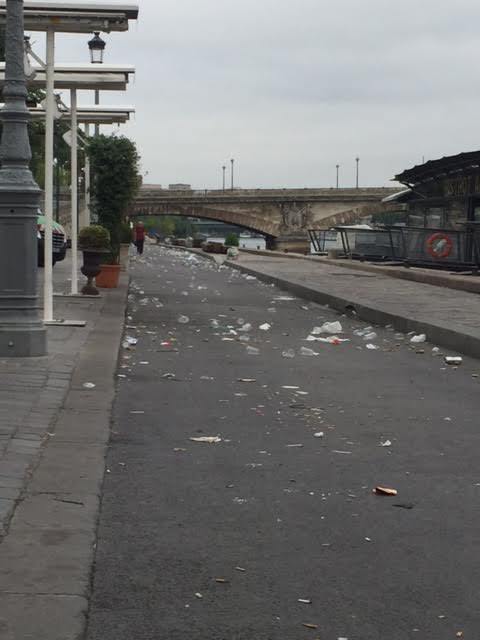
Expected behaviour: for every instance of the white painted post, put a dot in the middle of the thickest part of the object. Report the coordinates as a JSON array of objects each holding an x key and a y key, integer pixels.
[
  {"x": 74, "y": 188},
  {"x": 48, "y": 212},
  {"x": 87, "y": 179}
]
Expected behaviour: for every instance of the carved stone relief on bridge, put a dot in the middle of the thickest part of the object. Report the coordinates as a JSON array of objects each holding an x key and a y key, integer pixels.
[{"x": 295, "y": 217}]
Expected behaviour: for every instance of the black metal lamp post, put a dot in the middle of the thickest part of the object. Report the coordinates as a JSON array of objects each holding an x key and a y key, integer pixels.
[
  {"x": 22, "y": 333},
  {"x": 357, "y": 160},
  {"x": 223, "y": 183},
  {"x": 232, "y": 162},
  {"x": 338, "y": 174},
  {"x": 97, "y": 48}
]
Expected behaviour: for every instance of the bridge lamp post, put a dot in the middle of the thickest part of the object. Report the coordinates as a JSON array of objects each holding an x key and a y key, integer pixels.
[
  {"x": 338, "y": 168},
  {"x": 357, "y": 160},
  {"x": 223, "y": 180},
  {"x": 97, "y": 49},
  {"x": 232, "y": 161}
]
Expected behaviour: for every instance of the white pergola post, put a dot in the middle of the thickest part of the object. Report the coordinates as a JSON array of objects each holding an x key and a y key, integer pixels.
[
  {"x": 74, "y": 189},
  {"x": 48, "y": 212},
  {"x": 87, "y": 180}
]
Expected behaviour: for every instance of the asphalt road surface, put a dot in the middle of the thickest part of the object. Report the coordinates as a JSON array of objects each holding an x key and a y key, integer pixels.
[{"x": 273, "y": 528}]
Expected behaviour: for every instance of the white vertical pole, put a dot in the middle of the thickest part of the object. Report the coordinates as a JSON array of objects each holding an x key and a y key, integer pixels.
[
  {"x": 74, "y": 188},
  {"x": 47, "y": 271},
  {"x": 87, "y": 179}
]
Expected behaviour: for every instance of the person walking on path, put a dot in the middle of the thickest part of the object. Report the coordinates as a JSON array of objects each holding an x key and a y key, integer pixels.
[{"x": 139, "y": 237}]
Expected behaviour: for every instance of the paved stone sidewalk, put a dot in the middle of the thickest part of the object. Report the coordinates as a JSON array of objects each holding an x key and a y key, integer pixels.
[
  {"x": 449, "y": 317},
  {"x": 53, "y": 438}
]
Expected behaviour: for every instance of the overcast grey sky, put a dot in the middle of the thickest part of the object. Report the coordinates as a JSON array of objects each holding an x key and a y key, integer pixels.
[{"x": 290, "y": 89}]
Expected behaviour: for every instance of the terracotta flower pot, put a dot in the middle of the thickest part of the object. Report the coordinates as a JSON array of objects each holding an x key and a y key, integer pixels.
[{"x": 108, "y": 276}]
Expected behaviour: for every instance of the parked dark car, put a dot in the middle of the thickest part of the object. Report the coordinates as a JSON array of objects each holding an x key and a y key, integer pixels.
[{"x": 59, "y": 241}]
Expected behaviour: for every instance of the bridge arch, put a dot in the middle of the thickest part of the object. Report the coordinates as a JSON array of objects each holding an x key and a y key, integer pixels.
[{"x": 248, "y": 221}]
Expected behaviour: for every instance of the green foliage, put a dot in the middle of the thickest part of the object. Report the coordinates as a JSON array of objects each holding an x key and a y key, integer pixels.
[
  {"x": 232, "y": 240},
  {"x": 125, "y": 233},
  {"x": 114, "y": 165},
  {"x": 166, "y": 226},
  {"x": 94, "y": 237}
]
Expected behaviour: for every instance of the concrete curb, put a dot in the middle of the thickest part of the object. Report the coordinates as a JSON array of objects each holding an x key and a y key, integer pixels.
[
  {"x": 49, "y": 550},
  {"x": 470, "y": 284},
  {"x": 442, "y": 336}
]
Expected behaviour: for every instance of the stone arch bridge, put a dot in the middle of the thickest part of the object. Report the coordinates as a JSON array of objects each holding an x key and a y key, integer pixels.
[{"x": 283, "y": 216}]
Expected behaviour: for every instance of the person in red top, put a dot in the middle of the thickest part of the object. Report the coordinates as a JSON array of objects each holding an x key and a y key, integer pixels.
[{"x": 139, "y": 237}]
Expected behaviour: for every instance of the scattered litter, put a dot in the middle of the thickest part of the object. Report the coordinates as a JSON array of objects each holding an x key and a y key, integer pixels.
[
  {"x": 372, "y": 347},
  {"x": 221, "y": 580},
  {"x": 286, "y": 386},
  {"x": 345, "y": 453},
  {"x": 385, "y": 491},
  {"x": 144, "y": 362},
  {"x": 331, "y": 327},
  {"x": 387, "y": 443},
  {"x": 265, "y": 326},
  {"x": 305, "y": 601},
  {"x": 250, "y": 278},
  {"x": 370, "y": 336},
  {"x": 207, "y": 439},
  {"x": 179, "y": 450},
  {"x": 238, "y": 500},
  {"x": 417, "y": 339},
  {"x": 207, "y": 378},
  {"x": 244, "y": 338},
  {"x": 453, "y": 360},
  {"x": 89, "y": 385},
  {"x": 246, "y": 380},
  {"x": 284, "y": 298},
  {"x": 404, "y": 505},
  {"x": 319, "y": 434},
  {"x": 241, "y": 569},
  {"x": 131, "y": 341},
  {"x": 169, "y": 376},
  {"x": 198, "y": 595},
  {"x": 183, "y": 319},
  {"x": 305, "y": 351},
  {"x": 246, "y": 327},
  {"x": 137, "y": 412},
  {"x": 252, "y": 351},
  {"x": 288, "y": 353},
  {"x": 292, "y": 446},
  {"x": 435, "y": 351},
  {"x": 310, "y": 626}
]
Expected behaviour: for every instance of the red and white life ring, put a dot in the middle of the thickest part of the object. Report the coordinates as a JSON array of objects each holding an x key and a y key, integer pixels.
[{"x": 439, "y": 245}]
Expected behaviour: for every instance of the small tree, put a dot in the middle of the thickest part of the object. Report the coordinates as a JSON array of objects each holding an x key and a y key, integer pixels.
[
  {"x": 115, "y": 182},
  {"x": 231, "y": 240}
]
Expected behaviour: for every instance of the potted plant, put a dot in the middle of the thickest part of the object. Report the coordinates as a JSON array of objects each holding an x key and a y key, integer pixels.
[
  {"x": 94, "y": 242},
  {"x": 115, "y": 182}
]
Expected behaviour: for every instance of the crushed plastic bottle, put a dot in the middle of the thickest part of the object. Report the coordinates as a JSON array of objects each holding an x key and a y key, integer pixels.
[
  {"x": 253, "y": 351},
  {"x": 183, "y": 319},
  {"x": 265, "y": 326},
  {"x": 331, "y": 327},
  {"x": 288, "y": 353},
  {"x": 372, "y": 347},
  {"x": 418, "y": 339},
  {"x": 305, "y": 351}
]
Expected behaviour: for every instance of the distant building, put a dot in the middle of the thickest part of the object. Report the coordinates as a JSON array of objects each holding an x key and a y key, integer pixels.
[{"x": 180, "y": 186}]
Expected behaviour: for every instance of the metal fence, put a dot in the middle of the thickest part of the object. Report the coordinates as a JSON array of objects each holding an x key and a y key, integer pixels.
[
  {"x": 450, "y": 248},
  {"x": 383, "y": 244},
  {"x": 440, "y": 248},
  {"x": 322, "y": 240}
]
